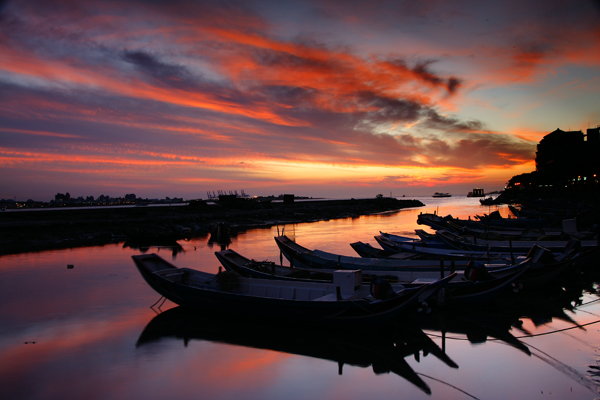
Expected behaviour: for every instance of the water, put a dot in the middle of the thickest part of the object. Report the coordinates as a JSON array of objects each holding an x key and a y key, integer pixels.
[{"x": 72, "y": 333}]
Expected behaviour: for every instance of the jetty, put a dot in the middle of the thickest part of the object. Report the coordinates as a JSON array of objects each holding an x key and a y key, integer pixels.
[{"x": 40, "y": 230}]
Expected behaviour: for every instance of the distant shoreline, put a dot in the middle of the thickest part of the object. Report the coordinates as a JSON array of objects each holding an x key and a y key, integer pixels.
[{"x": 22, "y": 232}]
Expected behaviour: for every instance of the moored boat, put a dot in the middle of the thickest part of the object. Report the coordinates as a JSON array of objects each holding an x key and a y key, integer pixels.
[
  {"x": 507, "y": 246},
  {"x": 473, "y": 286},
  {"x": 452, "y": 254},
  {"x": 344, "y": 302},
  {"x": 430, "y": 242},
  {"x": 366, "y": 250},
  {"x": 269, "y": 270},
  {"x": 300, "y": 256}
]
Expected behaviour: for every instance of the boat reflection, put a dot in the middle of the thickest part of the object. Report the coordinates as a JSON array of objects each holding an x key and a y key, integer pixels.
[
  {"x": 514, "y": 320},
  {"x": 476, "y": 326},
  {"x": 384, "y": 351},
  {"x": 542, "y": 307},
  {"x": 221, "y": 236},
  {"x": 498, "y": 319},
  {"x": 145, "y": 243}
]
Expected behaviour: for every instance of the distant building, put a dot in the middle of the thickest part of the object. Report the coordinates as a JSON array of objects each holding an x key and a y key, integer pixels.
[
  {"x": 62, "y": 198},
  {"x": 568, "y": 156},
  {"x": 563, "y": 159}
]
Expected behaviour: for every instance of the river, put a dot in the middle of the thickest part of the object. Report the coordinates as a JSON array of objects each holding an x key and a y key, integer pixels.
[{"x": 77, "y": 324}]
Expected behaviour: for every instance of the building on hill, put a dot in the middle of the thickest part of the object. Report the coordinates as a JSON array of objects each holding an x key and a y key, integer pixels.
[
  {"x": 564, "y": 157},
  {"x": 564, "y": 160}
]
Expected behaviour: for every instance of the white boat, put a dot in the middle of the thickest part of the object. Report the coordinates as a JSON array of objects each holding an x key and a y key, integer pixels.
[
  {"x": 302, "y": 257},
  {"x": 475, "y": 285}
]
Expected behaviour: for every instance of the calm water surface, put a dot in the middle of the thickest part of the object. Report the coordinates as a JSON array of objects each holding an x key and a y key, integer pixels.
[{"x": 88, "y": 332}]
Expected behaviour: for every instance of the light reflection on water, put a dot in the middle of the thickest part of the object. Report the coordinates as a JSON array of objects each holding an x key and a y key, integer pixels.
[{"x": 77, "y": 333}]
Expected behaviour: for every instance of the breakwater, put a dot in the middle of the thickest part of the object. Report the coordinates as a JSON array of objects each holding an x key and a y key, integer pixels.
[{"x": 54, "y": 229}]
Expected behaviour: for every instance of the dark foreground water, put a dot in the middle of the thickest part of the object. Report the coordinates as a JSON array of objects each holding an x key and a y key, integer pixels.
[{"x": 88, "y": 332}]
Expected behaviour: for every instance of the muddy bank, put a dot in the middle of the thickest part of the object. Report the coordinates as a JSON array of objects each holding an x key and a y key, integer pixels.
[{"x": 55, "y": 229}]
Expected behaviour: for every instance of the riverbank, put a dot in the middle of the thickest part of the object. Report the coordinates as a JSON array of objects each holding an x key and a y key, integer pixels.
[{"x": 57, "y": 229}]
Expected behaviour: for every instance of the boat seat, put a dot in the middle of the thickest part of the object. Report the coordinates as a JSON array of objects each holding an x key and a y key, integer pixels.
[{"x": 171, "y": 275}]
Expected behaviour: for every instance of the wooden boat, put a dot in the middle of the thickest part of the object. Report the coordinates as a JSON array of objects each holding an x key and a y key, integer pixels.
[
  {"x": 467, "y": 287},
  {"x": 545, "y": 265},
  {"x": 506, "y": 246},
  {"x": 346, "y": 301},
  {"x": 494, "y": 220},
  {"x": 302, "y": 257},
  {"x": 424, "y": 235},
  {"x": 481, "y": 231},
  {"x": 365, "y": 250},
  {"x": 433, "y": 220},
  {"x": 538, "y": 274},
  {"x": 432, "y": 242},
  {"x": 490, "y": 201},
  {"x": 450, "y": 254},
  {"x": 234, "y": 261},
  {"x": 244, "y": 266}
]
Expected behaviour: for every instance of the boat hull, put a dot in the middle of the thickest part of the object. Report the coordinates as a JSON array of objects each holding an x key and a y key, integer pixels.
[{"x": 237, "y": 302}]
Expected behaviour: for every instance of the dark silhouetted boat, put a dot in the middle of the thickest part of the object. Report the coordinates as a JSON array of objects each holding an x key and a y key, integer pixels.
[{"x": 346, "y": 301}]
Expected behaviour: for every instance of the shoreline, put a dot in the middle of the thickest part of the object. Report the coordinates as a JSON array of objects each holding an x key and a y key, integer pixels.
[{"x": 59, "y": 229}]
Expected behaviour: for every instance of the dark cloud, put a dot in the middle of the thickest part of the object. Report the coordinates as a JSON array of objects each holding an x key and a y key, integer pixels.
[
  {"x": 281, "y": 59},
  {"x": 480, "y": 150},
  {"x": 421, "y": 69},
  {"x": 388, "y": 109},
  {"x": 299, "y": 98},
  {"x": 149, "y": 64},
  {"x": 433, "y": 120},
  {"x": 453, "y": 84}
]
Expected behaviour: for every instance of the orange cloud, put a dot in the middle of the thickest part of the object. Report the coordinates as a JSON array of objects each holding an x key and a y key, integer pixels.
[{"x": 61, "y": 72}]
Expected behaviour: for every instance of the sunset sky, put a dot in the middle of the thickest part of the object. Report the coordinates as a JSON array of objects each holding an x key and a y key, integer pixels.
[{"x": 316, "y": 98}]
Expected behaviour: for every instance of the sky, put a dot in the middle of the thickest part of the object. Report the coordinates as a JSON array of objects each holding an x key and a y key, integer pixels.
[{"x": 322, "y": 98}]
